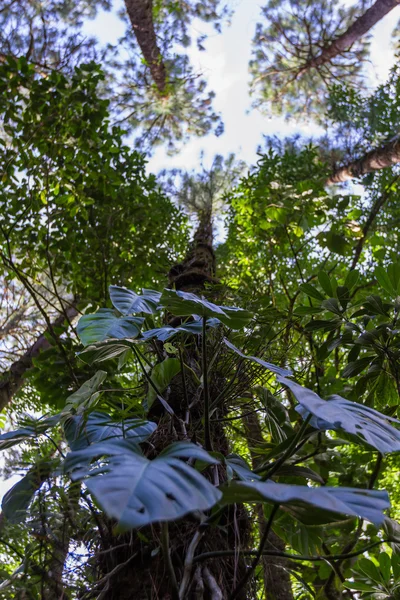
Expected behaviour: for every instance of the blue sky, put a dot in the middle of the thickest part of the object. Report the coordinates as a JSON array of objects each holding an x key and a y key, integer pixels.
[{"x": 225, "y": 65}]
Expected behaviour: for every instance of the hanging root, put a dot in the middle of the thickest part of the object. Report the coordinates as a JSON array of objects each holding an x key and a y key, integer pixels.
[{"x": 212, "y": 585}]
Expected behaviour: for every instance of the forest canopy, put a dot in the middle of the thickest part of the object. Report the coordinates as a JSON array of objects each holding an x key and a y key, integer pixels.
[{"x": 200, "y": 367}]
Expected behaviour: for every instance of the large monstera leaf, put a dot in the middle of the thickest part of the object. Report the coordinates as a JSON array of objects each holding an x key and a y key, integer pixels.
[
  {"x": 186, "y": 304},
  {"x": 271, "y": 367},
  {"x": 137, "y": 491},
  {"x": 367, "y": 424},
  {"x": 99, "y": 426},
  {"x": 106, "y": 324},
  {"x": 368, "y": 504},
  {"x": 128, "y": 302}
]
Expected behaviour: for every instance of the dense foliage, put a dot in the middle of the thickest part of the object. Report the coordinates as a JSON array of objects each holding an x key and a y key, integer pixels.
[{"x": 192, "y": 420}]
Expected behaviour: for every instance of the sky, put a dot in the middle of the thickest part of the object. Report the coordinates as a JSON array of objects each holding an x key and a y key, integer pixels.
[{"x": 225, "y": 65}]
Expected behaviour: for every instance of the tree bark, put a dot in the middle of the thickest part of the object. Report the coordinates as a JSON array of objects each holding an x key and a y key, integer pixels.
[
  {"x": 380, "y": 158},
  {"x": 13, "y": 380},
  {"x": 359, "y": 28},
  {"x": 277, "y": 584},
  {"x": 140, "y": 13}
]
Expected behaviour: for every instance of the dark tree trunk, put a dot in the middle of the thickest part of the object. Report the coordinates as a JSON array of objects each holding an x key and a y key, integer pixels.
[
  {"x": 12, "y": 380},
  {"x": 140, "y": 13},
  {"x": 380, "y": 158},
  {"x": 277, "y": 585},
  {"x": 359, "y": 28}
]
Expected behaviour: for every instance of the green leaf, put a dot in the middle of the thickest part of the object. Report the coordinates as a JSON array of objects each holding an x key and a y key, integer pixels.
[
  {"x": 106, "y": 324},
  {"x": 332, "y": 306},
  {"x": 103, "y": 351},
  {"x": 161, "y": 375},
  {"x": 307, "y": 310},
  {"x": 352, "y": 279},
  {"x": 186, "y": 304},
  {"x": 311, "y": 291},
  {"x": 263, "y": 363},
  {"x": 367, "y": 504},
  {"x": 17, "y": 499},
  {"x": 334, "y": 242},
  {"x": 367, "y": 424},
  {"x": 324, "y": 325},
  {"x": 359, "y": 586},
  {"x": 128, "y": 302},
  {"x": 137, "y": 491},
  {"x": 99, "y": 426},
  {"x": 394, "y": 274},
  {"x": 385, "y": 566},
  {"x": 355, "y": 368},
  {"x": 325, "y": 283},
  {"x": 86, "y": 396},
  {"x": 165, "y": 333},
  {"x": 32, "y": 429},
  {"x": 385, "y": 281}
]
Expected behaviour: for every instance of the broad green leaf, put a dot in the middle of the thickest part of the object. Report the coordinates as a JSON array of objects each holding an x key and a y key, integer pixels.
[
  {"x": 32, "y": 428},
  {"x": 367, "y": 424},
  {"x": 352, "y": 279},
  {"x": 367, "y": 504},
  {"x": 325, "y": 283},
  {"x": 186, "y": 304},
  {"x": 106, "y": 324},
  {"x": 368, "y": 568},
  {"x": 311, "y": 291},
  {"x": 385, "y": 281},
  {"x": 307, "y": 310},
  {"x": 332, "y": 306},
  {"x": 263, "y": 363},
  {"x": 137, "y": 491},
  {"x": 359, "y": 586},
  {"x": 165, "y": 333},
  {"x": 392, "y": 531},
  {"x": 107, "y": 350},
  {"x": 161, "y": 375},
  {"x": 128, "y": 302},
  {"x": 17, "y": 499},
  {"x": 355, "y": 368},
  {"x": 322, "y": 324},
  {"x": 99, "y": 426},
  {"x": 394, "y": 274},
  {"x": 385, "y": 566},
  {"x": 86, "y": 396}
]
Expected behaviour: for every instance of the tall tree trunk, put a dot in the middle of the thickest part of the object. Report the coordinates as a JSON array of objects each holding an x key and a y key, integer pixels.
[
  {"x": 380, "y": 158},
  {"x": 141, "y": 16},
  {"x": 359, "y": 28},
  {"x": 12, "y": 380},
  {"x": 145, "y": 576},
  {"x": 277, "y": 585}
]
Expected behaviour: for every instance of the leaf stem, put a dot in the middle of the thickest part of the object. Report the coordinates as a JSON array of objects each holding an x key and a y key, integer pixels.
[
  {"x": 207, "y": 435},
  {"x": 221, "y": 553},
  {"x": 167, "y": 558}
]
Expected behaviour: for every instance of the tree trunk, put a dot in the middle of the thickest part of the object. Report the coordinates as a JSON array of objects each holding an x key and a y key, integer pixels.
[
  {"x": 143, "y": 574},
  {"x": 380, "y": 158},
  {"x": 141, "y": 16},
  {"x": 277, "y": 585},
  {"x": 13, "y": 380},
  {"x": 359, "y": 28}
]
